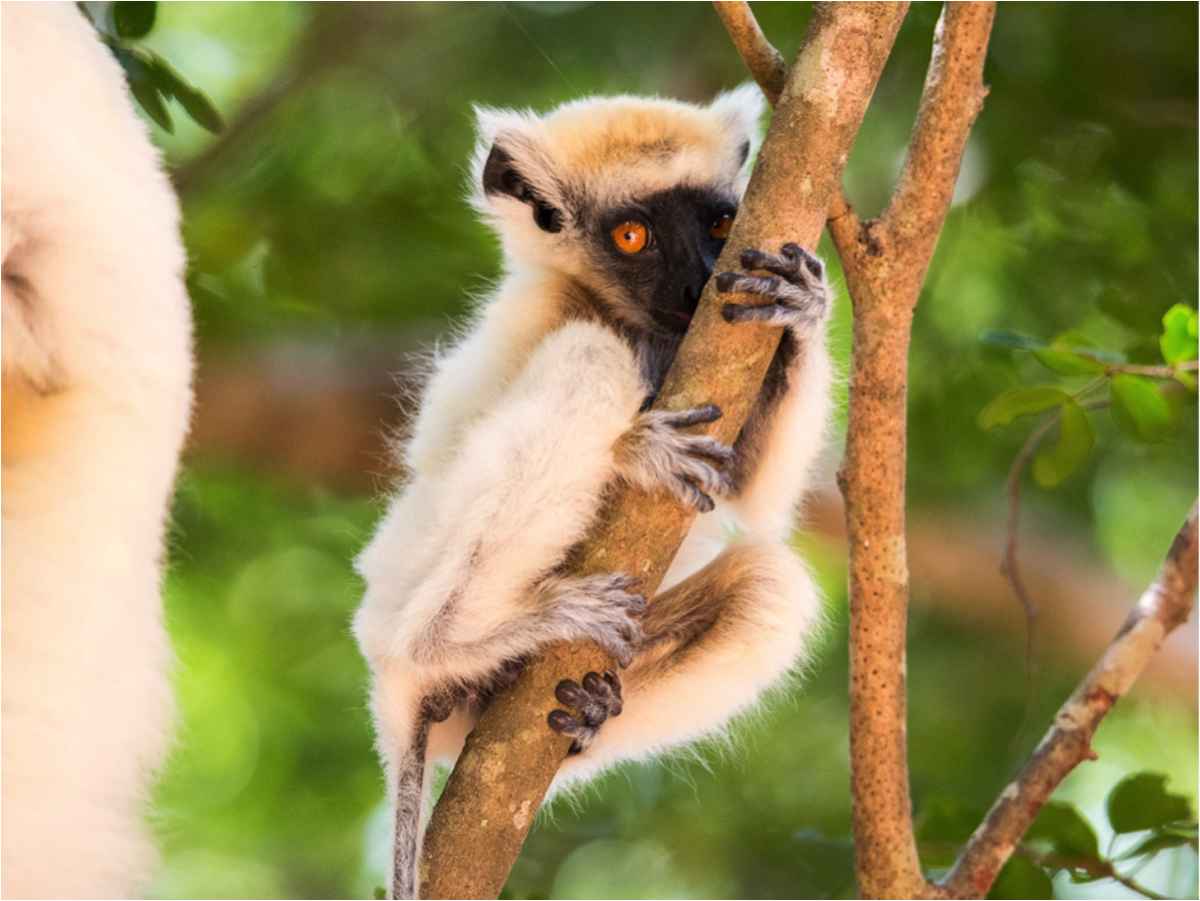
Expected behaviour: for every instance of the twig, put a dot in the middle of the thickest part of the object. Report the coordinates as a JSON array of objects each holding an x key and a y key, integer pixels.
[
  {"x": 1011, "y": 570},
  {"x": 1161, "y": 372},
  {"x": 765, "y": 63},
  {"x": 1010, "y": 567},
  {"x": 1164, "y": 606}
]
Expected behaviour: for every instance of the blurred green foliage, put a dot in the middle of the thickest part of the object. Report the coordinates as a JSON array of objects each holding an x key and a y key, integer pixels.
[{"x": 332, "y": 208}]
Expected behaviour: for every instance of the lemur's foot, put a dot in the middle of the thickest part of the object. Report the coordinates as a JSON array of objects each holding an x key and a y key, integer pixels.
[
  {"x": 656, "y": 453},
  {"x": 598, "y": 698},
  {"x": 598, "y": 609},
  {"x": 798, "y": 290}
]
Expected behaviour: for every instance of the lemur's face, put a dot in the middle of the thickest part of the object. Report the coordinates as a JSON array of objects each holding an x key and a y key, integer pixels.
[{"x": 660, "y": 250}]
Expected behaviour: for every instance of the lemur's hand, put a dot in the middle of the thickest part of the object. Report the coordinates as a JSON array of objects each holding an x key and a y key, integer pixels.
[
  {"x": 798, "y": 290},
  {"x": 656, "y": 453}
]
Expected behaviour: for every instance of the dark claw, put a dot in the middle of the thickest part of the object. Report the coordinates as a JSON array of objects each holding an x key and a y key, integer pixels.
[
  {"x": 757, "y": 259},
  {"x": 569, "y": 693},
  {"x": 614, "y": 682},
  {"x": 565, "y": 724},
  {"x": 698, "y": 498},
  {"x": 624, "y": 581},
  {"x": 725, "y": 282},
  {"x": 711, "y": 413}
]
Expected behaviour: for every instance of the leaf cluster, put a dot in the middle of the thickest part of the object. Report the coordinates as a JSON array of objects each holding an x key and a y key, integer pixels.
[
  {"x": 1145, "y": 402},
  {"x": 151, "y": 79},
  {"x": 1062, "y": 840}
]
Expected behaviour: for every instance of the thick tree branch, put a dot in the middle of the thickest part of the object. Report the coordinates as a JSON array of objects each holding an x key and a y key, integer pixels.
[
  {"x": 885, "y": 263},
  {"x": 511, "y": 757},
  {"x": 1165, "y": 605}
]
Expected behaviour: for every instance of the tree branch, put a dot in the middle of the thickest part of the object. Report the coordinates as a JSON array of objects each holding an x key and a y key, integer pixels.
[
  {"x": 1164, "y": 606},
  {"x": 765, "y": 63},
  {"x": 885, "y": 263},
  {"x": 510, "y": 759}
]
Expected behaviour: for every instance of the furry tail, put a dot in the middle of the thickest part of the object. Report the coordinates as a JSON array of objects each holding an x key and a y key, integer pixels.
[{"x": 411, "y": 791}]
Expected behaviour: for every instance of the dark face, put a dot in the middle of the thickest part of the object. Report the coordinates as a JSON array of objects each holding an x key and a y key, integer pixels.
[
  {"x": 661, "y": 250},
  {"x": 656, "y": 252}
]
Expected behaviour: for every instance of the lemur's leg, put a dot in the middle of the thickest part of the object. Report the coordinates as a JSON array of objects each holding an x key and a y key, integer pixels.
[{"x": 709, "y": 647}]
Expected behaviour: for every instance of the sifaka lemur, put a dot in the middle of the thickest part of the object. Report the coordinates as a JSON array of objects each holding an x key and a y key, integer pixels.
[{"x": 612, "y": 213}]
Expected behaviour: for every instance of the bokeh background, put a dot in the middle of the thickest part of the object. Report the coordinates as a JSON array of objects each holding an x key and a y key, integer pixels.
[{"x": 330, "y": 241}]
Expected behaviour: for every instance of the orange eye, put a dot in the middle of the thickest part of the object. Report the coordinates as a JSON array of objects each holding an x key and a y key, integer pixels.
[
  {"x": 721, "y": 225},
  {"x": 631, "y": 237}
]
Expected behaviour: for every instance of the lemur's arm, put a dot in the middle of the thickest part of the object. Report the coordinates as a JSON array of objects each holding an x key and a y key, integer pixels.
[{"x": 785, "y": 430}]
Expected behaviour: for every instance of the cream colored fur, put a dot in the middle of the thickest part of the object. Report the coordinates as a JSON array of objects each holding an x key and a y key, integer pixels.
[{"x": 96, "y": 397}]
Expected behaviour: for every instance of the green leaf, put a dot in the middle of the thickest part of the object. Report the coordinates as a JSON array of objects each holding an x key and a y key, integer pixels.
[
  {"x": 1179, "y": 341},
  {"x": 1021, "y": 878},
  {"x": 1162, "y": 840},
  {"x": 133, "y": 18},
  {"x": 1020, "y": 402},
  {"x": 1074, "y": 353},
  {"x": 1016, "y": 340},
  {"x": 194, "y": 102},
  {"x": 1065, "y": 828},
  {"x": 1075, "y": 439},
  {"x": 1140, "y": 410},
  {"x": 139, "y": 75},
  {"x": 147, "y": 95},
  {"x": 1141, "y": 801}
]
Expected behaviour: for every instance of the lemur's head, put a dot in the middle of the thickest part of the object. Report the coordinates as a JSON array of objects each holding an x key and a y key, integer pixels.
[{"x": 630, "y": 197}]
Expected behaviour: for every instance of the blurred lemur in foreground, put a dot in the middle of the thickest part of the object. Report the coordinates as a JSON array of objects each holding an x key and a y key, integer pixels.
[
  {"x": 95, "y": 379},
  {"x": 611, "y": 212}
]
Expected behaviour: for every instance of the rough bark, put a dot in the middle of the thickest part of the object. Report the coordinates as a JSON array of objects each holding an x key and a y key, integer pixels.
[
  {"x": 885, "y": 261},
  {"x": 510, "y": 759},
  {"x": 1165, "y": 605}
]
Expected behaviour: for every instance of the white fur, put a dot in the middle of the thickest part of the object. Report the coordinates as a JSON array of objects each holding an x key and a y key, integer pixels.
[
  {"x": 519, "y": 434},
  {"x": 96, "y": 398}
]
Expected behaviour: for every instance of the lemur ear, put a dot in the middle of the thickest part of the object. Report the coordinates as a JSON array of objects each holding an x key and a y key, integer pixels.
[
  {"x": 742, "y": 111},
  {"x": 502, "y": 177}
]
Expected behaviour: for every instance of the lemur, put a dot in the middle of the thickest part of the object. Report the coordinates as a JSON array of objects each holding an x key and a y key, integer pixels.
[
  {"x": 97, "y": 363},
  {"x": 611, "y": 213}
]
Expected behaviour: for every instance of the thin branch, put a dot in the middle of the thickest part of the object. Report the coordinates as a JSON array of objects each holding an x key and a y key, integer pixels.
[
  {"x": 765, "y": 63},
  {"x": 510, "y": 759},
  {"x": 1160, "y": 372},
  {"x": 1164, "y": 606},
  {"x": 885, "y": 263},
  {"x": 1010, "y": 565}
]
